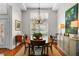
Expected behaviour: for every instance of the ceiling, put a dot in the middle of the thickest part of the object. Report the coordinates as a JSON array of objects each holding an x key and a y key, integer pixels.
[
  {"x": 24, "y": 6},
  {"x": 41, "y": 5}
]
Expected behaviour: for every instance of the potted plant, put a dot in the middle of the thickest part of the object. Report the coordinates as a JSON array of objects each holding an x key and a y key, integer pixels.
[{"x": 37, "y": 35}]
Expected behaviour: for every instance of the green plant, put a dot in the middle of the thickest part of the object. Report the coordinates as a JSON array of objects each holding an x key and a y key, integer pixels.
[{"x": 37, "y": 35}]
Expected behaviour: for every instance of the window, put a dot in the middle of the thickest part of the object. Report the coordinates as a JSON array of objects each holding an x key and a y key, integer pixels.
[{"x": 42, "y": 27}]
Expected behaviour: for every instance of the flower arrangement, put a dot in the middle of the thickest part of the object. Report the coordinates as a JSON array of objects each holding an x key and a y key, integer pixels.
[{"x": 37, "y": 35}]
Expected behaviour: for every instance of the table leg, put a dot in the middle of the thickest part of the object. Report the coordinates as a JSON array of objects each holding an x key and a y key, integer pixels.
[
  {"x": 29, "y": 50},
  {"x": 42, "y": 50},
  {"x": 33, "y": 50}
]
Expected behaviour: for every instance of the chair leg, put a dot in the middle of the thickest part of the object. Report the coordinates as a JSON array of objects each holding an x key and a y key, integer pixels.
[
  {"x": 51, "y": 48},
  {"x": 25, "y": 50},
  {"x": 44, "y": 50}
]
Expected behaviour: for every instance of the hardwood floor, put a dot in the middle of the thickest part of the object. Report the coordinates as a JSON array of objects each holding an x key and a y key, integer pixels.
[
  {"x": 54, "y": 53},
  {"x": 12, "y": 52}
]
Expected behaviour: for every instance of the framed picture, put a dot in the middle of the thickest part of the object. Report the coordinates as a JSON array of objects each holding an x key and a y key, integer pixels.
[
  {"x": 17, "y": 25},
  {"x": 71, "y": 15}
]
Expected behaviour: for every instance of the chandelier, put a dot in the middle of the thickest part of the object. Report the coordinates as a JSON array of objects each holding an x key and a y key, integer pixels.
[{"x": 39, "y": 17}]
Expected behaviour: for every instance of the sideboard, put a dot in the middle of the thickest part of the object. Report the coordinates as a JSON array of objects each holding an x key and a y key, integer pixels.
[{"x": 68, "y": 45}]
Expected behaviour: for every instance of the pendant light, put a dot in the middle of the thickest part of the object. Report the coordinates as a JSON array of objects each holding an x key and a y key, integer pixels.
[{"x": 39, "y": 18}]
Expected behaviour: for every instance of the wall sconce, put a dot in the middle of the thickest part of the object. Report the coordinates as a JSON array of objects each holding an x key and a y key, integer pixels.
[{"x": 61, "y": 26}]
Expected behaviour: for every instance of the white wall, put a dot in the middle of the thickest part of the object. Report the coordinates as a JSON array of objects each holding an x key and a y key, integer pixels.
[
  {"x": 52, "y": 20},
  {"x": 61, "y": 14},
  {"x": 16, "y": 15},
  {"x": 3, "y": 8}
]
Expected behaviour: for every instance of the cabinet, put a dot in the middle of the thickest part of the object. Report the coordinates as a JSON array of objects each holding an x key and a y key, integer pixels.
[
  {"x": 58, "y": 40},
  {"x": 66, "y": 45},
  {"x": 62, "y": 43},
  {"x": 72, "y": 49},
  {"x": 70, "y": 46}
]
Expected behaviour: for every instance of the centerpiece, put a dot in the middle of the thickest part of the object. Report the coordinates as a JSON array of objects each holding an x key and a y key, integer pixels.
[{"x": 37, "y": 36}]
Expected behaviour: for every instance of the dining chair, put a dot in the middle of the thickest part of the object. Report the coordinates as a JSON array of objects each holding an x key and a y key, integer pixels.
[
  {"x": 46, "y": 48},
  {"x": 27, "y": 44},
  {"x": 49, "y": 45},
  {"x": 37, "y": 43}
]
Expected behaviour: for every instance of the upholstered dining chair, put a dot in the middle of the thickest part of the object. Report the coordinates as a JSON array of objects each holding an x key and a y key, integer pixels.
[
  {"x": 27, "y": 43},
  {"x": 18, "y": 39}
]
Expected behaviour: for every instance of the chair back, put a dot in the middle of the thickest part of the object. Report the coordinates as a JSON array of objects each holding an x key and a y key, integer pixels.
[
  {"x": 37, "y": 42},
  {"x": 18, "y": 38}
]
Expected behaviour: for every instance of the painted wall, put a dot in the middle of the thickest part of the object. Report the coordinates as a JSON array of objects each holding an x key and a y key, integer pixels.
[
  {"x": 61, "y": 14},
  {"x": 16, "y": 15},
  {"x": 3, "y": 8},
  {"x": 10, "y": 13},
  {"x": 52, "y": 20}
]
